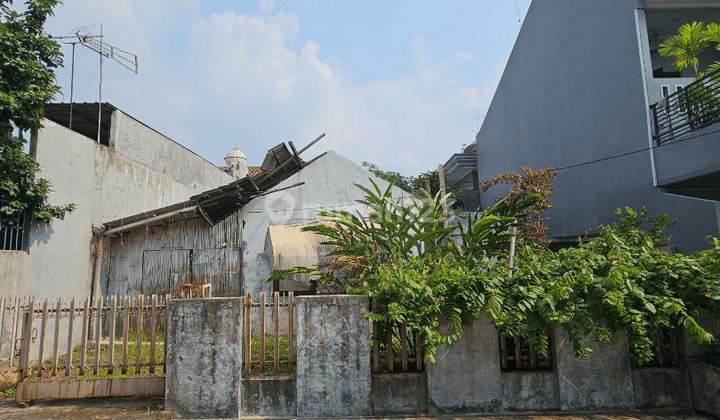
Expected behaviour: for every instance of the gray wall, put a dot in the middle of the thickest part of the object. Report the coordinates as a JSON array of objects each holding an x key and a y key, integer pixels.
[
  {"x": 329, "y": 184},
  {"x": 106, "y": 185},
  {"x": 162, "y": 258},
  {"x": 572, "y": 92},
  {"x": 204, "y": 358},
  {"x": 238, "y": 240}
]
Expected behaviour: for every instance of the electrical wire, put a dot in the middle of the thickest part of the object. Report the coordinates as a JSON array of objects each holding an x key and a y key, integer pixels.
[{"x": 635, "y": 151}]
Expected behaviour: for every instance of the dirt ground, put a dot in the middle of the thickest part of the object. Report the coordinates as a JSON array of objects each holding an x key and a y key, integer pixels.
[
  {"x": 153, "y": 408},
  {"x": 96, "y": 408}
]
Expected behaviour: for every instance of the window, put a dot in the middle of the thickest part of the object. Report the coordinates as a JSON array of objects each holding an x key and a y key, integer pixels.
[{"x": 12, "y": 232}]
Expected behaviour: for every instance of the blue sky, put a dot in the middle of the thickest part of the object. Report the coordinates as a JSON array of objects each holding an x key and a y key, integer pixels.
[{"x": 396, "y": 83}]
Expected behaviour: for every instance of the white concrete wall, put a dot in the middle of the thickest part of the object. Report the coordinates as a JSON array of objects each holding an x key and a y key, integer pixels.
[
  {"x": 144, "y": 145},
  {"x": 105, "y": 185},
  {"x": 329, "y": 184}
]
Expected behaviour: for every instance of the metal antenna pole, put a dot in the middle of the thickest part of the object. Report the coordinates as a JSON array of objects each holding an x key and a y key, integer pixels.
[
  {"x": 124, "y": 58},
  {"x": 100, "y": 90},
  {"x": 72, "y": 84}
]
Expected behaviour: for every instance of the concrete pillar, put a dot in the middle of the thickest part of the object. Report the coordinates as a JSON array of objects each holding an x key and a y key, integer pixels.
[
  {"x": 333, "y": 357},
  {"x": 602, "y": 381},
  {"x": 204, "y": 357},
  {"x": 466, "y": 377}
]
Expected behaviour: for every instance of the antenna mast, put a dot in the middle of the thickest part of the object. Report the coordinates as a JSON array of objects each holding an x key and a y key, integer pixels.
[{"x": 126, "y": 59}]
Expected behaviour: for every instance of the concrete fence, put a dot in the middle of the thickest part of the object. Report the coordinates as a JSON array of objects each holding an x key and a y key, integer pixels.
[{"x": 335, "y": 378}]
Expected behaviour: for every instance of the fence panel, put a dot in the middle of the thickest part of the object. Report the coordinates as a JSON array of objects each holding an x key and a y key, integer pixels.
[
  {"x": 516, "y": 353},
  {"x": 45, "y": 342},
  {"x": 403, "y": 347},
  {"x": 280, "y": 358}
]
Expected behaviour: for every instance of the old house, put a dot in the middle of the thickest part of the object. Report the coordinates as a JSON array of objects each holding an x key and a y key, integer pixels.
[
  {"x": 223, "y": 236},
  {"x": 123, "y": 168}
]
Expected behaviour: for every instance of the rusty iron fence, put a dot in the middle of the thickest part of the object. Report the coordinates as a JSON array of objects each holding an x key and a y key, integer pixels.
[
  {"x": 10, "y": 310},
  {"x": 281, "y": 332},
  {"x": 79, "y": 337},
  {"x": 666, "y": 348},
  {"x": 516, "y": 354},
  {"x": 396, "y": 348},
  {"x": 12, "y": 231}
]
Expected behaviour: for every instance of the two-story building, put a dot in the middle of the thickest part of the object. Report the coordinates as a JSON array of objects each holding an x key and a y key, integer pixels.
[{"x": 580, "y": 94}]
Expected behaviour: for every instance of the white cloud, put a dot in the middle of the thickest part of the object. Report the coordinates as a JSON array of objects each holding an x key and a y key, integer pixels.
[
  {"x": 422, "y": 56},
  {"x": 407, "y": 158},
  {"x": 464, "y": 55},
  {"x": 261, "y": 88},
  {"x": 243, "y": 80},
  {"x": 266, "y": 6}
]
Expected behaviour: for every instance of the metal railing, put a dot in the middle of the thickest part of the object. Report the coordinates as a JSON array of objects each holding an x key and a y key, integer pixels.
[
  {"x": 516, "y": 354},
  {"x": 691, "y": 108},
  {"x": 12, "y": 231},
  {"x": 75, "y": 338},
  {"x": 469, "y": 196}
]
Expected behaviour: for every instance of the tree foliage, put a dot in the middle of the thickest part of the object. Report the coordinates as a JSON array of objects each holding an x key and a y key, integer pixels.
[
  {"x": 401, "y": 250},
  {"x": 620, "y": 282},
  {"x": 526, "y": 183},
  {"x": 415, "y": 184},
  {"x": 691, "y": 40},
  {"x": 27, "y": 59}
]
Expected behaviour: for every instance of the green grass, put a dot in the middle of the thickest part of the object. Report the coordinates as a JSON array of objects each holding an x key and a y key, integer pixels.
[
  {"x": 117, "y": 358},
  {"x": 10, "y": 392},
  {"x": 269, "y": 354}
]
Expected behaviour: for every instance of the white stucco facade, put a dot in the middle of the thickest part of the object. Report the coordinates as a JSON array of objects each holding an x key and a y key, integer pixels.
[{"x": 141, "y": 170}]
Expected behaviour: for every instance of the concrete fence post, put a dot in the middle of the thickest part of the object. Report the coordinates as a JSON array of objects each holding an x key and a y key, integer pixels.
[
  {"x": 602, "y": 381},
  {"x": 204, "y": 357},
  {"x": 465, "y": 377},
  {"x": 333, "y": 357}
]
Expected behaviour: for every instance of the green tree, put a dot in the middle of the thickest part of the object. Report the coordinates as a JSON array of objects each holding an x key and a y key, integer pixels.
[
  {"x": 27, "y": 59},
  {"x": 691, "y": 40}
]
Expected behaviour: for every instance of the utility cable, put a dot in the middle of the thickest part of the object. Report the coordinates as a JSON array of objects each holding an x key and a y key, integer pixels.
[{"x": 635, "y": 151}]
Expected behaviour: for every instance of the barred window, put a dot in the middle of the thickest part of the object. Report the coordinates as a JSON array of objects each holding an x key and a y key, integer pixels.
[{"x": 12, "y": 231}]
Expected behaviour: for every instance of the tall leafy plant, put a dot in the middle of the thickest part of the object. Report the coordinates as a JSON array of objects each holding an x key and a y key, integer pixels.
[{"x": 401, "y": 256}]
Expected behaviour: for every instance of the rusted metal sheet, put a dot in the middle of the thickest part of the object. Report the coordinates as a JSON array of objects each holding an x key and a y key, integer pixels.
[
  {"x": 165, "y": 271},
  {"x": 159, "y": 259},
  {"x": 149, "y": 386},
  {"x": 218, "y": 267}
]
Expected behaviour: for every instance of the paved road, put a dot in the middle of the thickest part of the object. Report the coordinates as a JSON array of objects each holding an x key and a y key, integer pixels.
[{"x": 152, "y": 408}]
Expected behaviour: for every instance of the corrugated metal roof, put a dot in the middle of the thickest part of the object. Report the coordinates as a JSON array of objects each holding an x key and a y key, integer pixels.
[
  {"x": 254, "y": 170},
  {"x": 84, "y": 118},
  {"x": 216, "y": 204},
  {"x": 288, "y": 246}
]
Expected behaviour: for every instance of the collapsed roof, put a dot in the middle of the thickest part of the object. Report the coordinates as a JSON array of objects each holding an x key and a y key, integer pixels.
[{"x": 217, "y": 204}]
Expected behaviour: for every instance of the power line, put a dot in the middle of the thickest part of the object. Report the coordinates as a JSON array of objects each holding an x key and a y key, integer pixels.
[{"x": 634, "y": 152}]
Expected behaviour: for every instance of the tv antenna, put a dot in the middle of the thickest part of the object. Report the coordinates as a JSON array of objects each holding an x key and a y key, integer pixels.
[
  {"x": 81, "y": 35},
  {"x": 477, "y": 123}
]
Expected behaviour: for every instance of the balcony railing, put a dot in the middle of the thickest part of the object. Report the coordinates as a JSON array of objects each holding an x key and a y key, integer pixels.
[{"x": 691, "y": 108}]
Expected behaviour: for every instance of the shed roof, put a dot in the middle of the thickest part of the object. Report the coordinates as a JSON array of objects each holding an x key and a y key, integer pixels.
[
  {"x": 217, "y": 204},
  {"x": 288, "y": 246}
]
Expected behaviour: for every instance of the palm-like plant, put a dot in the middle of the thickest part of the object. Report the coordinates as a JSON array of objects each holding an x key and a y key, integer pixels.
[
  {"x": 712, "y": 33},
  {"x": 691, "y": 39}
]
